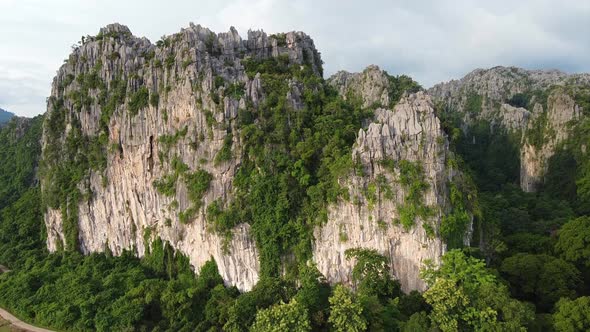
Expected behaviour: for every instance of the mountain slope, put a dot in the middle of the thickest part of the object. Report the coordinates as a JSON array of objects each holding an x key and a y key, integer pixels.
[
  {"x": 238, "y": 150},
  {"x": 20, "y": 210},
  {"x": 540, "y": 110},
  {"x": 224, "y": 162}
]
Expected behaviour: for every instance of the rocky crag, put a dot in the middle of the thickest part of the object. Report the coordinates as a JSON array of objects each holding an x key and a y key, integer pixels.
[
  {"x": 400, "y": 140},
  {"x": 145, "y": 141},
  {"x": 538, "y": 108}
]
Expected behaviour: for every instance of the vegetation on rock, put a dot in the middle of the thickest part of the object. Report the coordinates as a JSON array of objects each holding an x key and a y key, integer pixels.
[{"x": 527, "y": 266}]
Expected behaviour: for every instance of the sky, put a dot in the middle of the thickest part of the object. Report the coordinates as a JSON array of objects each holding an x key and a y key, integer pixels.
[{"x": 432, "y": 41}]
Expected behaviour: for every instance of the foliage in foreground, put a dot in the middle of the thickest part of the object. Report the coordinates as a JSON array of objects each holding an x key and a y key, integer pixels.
[
  {"x": 466, "y": 296},
  {"x": 532, "y": 256}
]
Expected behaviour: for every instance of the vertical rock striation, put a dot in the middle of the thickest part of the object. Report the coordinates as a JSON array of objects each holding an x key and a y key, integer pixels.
[
  {"x": 542, "y": 109},
  {"x": 545, "y": 131},
  {"x": 179, "y": 104},
  {"x": 410, "y": 132},
  {"x": 141, "y": 139}
]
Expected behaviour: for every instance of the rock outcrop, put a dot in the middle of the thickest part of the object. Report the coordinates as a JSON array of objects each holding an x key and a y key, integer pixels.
[
  {"x": 189, "y": 117},
  {"x": 486, "y": 94},
  {"x": 371, "y": 84},
  {"x": 501, "y": 83},
  {"x": 409, "y": 132},
  {"x": 141, "y": 139},
  {"x": 553, "y": 126}
]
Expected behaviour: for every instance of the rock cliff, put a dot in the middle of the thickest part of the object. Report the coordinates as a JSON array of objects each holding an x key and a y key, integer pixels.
[
  {"x": 144, "y": 141},
  {"x": 187, "y": 110},
  {"x": 545, "y": 131},
  {"x": 536, "y": 107},
  {"x": 371, "y": 85},
  {"x": 371, "y": 218}
]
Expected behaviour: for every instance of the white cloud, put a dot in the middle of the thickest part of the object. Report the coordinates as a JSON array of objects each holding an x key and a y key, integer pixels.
[{"x": 429, "y": 40}]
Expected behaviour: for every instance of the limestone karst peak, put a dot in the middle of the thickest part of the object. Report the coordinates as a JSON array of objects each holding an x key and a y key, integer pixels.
[
  {"x": 115, "y": 28},
  {"x": 168, "y": 126}
]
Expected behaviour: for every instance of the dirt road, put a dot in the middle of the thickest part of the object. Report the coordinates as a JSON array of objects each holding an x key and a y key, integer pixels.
[{"x": 19, "y": 323}]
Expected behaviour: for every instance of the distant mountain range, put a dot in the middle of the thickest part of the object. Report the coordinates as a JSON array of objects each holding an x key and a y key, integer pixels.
[{"x": 5, "y": 116}]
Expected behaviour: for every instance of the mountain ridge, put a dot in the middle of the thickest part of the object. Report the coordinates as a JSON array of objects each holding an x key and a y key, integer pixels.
[
  {"x": 192, "y": 89},
  {"x": 205, "y": 182},
  {"x": 197, "y": 110}
]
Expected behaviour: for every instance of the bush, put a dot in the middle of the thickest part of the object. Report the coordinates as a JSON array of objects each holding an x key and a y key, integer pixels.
[
  {"x": 412, "y": 179},
  {"x": 398, "y": 85},
  {"x": 519, "y": 100},
  {"x": 218, "y": 82},
  {"x": 154, "y": 99},
  {"x": 138, "y": 100},
  {"x": 473, "y": 104},
  {"x": 170, "y": 61},
  {"x": 168, "y": 141},
  {"x": 197, "y": 184},
  {"x": 225, "y": 153},
  {"x": 281, "y": 39},
  {"x": 166, "y": 185},
  {"x": 236, "y": 90}
]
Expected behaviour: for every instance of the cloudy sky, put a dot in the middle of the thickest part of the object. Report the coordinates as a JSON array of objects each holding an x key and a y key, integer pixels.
[{"x": 431, "y": 41}]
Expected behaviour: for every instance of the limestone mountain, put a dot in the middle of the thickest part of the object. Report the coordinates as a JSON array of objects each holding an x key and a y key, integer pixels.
[
  {"x": 209, "y": 182},
  {"x": 239, "y": 150},
  {"x": 542, "y": 112}
]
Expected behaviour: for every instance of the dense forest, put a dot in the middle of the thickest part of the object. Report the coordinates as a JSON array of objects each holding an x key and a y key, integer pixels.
[{"x": 528, "y": 266}]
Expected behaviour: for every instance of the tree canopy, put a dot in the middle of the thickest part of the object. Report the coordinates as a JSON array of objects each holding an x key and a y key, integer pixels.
[
  {"x": 573, "y": 244},
  {"x": 572, "y": 315},
  {"x": 465, "y": 295}
]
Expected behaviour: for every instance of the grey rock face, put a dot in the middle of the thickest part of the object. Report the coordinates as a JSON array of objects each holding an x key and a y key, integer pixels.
[
  {"x": 501, "y": 83},
  {"x": 513, "y": 118},
  {"x": 561, "y": 110},
  {"x": 370, "y": 85},
  {"x": 184, "y": 71},
  {"x": 497, "y": 85},
  {"x": 192, "y": 79},
  {"x": 411, "y": 131}
]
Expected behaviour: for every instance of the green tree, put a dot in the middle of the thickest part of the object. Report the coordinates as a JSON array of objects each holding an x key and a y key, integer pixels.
[
  {"x": 378, "y": 315},
  {"x": 541, "y": 279},
  {"x": 398, "y": 85},
  {"x": 346, "y": 314},
  {"x": 21, "y": 225},
  {"x": 377, "y": 292},
  {"x": 412, "y": 303},
  {"x": 449, "y": 305},
  {"x": 313, "y": 294},
  {"x": 573, "y": 244},
  {"x": 282, "y": 317},
  {"x": 371, "y": 273},
  {"x": 418, "y": 322},
  {"x": 268, "y": 291},
  {"x": 217, "y": 308},
  {"x": 465, "y": 295},
  {"x": 572, "y": 315}
]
